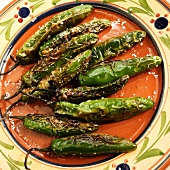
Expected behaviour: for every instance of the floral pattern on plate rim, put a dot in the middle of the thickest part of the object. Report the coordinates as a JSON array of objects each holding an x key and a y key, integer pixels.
[{"x": 158, "y": 21}]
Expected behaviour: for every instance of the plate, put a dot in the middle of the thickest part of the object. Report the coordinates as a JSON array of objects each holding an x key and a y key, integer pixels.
[{"x": 148, "y": 130}]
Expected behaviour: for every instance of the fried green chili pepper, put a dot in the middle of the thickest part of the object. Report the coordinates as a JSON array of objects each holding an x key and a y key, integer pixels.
[
  {"x": 75, "y": 95},
  {"x": 104, "y": 110},
  {"x": 68, "y": 51},
  {"x": 58, "y": 78},
  {"x": 110, "y": 71},
  {"x": 94, "y": 26},
  {"x": 61, "y": 76},
  {"x": 29, "y": 52},
  {"x": 115, "y": 45},
  {"x": 87, "y": 145},
  {"x": 83, "y": 93},
  {"x": 46, "y": 65},
  {"x": 54, "y": 126}
]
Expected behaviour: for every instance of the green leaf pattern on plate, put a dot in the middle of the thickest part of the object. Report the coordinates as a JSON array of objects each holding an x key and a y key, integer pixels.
[
  {"x": 37, "y": 4},
  {"x": 166, "y": 41},
  {"x": 163, "y": 121},
  {"x": 168, "y": 130},
  {"x": 7, "y": 146},
  {"x": 137, "y": 10},
  {"x": 152, "y": 152},
  {"x": 149, "y": 153},
  {"x": 145, "y": 143},
  {"x": 145, "y": 5},
  {"x": 19, "y": 163},
  {"x": 107, "y": 167},
  {"x": 12, "y": 163},
  {"x": 7, "y": 27},
  {"x": 11, "y": 166},
  {"x": 143, "y": 8}
]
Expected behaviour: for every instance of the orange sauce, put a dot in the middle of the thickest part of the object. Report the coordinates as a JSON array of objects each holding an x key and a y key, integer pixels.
[{"x": 148, "y": 84}]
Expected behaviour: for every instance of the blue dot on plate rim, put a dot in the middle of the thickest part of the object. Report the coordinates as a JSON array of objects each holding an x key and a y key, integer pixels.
[
  {"x": 161, "y": 23},
  {"x": 24, "y": 12},
  {"x": 123, "y": 166}
]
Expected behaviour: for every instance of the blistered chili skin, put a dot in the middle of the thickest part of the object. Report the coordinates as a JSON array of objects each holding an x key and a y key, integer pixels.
[
  {"x": 75, "y": 95},
  {"x": 57, "y": 126},
  {"x": 91, "y": 145},
  {"x": 52, "y": 125},
  {"x": 105, "y": 109},
  {"x": 94, "y": 26},
  {"x": 115, "y": 45},
  {"x": 63, "y": 75},
  {"x": 58, "y": 78},
  {"x": 86, "y": 145},
  {"x": 67, "y": 52},
  {"x": 110, "y": 71},
  {"x": 83, "y": 93},
  {"x": 29, "y": 52}
]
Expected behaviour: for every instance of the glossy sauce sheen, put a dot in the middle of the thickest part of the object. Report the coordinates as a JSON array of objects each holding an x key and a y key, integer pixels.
[{"x": 148, "y": 84}]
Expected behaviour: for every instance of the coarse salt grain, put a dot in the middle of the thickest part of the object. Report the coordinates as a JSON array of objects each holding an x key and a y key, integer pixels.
[
  {"x": 6, "y": 83},
  {"x": 7, "y": 94},
  {"x": 156, "y": 76}
]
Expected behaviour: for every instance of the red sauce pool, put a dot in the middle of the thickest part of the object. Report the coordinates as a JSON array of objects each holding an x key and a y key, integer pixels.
[{"x": 148, "y": 84}]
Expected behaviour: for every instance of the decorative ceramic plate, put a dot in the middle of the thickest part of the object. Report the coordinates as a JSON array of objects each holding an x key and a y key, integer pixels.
[{"x": 149, "y": 130}]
